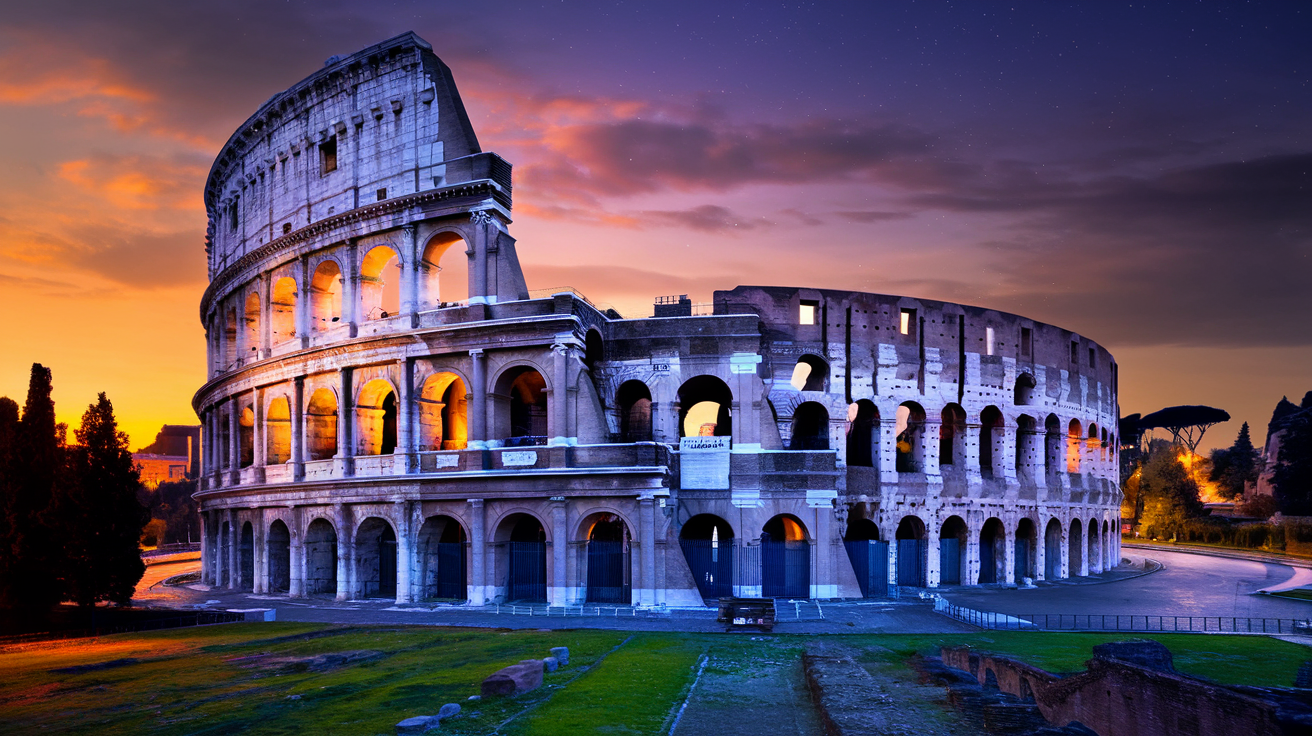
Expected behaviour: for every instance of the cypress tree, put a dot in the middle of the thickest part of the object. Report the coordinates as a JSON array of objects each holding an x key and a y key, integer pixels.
[
  {"x": 101, "y": 512},
  {"x": 31, "y": 565},
  {"x": 8, "y": 484}
]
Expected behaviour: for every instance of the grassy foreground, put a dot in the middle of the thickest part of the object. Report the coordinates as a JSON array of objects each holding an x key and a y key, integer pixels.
[{"x": 275, "y": 678}]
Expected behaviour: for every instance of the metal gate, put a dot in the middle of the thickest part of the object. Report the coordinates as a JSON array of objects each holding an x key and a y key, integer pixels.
[
  {"x": 785, "y": 569},
  {"x": 1022, "y": 559},
  {"x": 608, "y": 573},
  {"x": 1052, "y": 560},
  {"x": 711, "y": 563},
  {"x": 912, "y": 555},
  {"x": 949, "y": 561},
  {"x": 870, "y": 562},
  {"x": 450, "y": 582},
  {"x": 988, "y": 564},
  {"x": 528, "y": 571},
  {"x": 387, "y": 568}
]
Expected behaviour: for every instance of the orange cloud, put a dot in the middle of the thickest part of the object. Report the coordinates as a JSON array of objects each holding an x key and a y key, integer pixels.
[{"x": 138, "y": 182}]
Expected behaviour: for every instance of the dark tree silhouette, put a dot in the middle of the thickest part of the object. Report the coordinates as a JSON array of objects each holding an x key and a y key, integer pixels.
[
  {"x": 1292, "y": 478},
  {"x": 100, "y": 515},
  {"x": 1187, "y": 424},
  {"x": 1236, "y": 466}
]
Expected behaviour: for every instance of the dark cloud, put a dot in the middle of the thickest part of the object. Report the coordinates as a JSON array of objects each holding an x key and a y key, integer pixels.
[
  {"x": 873, "y": 216},
  {"x": 707, "y": 218}
]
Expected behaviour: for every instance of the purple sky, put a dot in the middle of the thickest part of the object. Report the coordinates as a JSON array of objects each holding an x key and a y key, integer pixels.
[{"x": 1135, "y": 172}]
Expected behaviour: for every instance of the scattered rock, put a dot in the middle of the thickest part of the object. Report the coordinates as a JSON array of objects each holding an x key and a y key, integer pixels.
[
  {"x": 448, "y": 711},
  {"x": 325, "y": 662},
  {"x": 294, "y": 697},
  {"x": 561, "y": 654},
  {"x": 516, "y": 678},
  {"x": 418, "y": 724},
  {"x": 551, "y": 664},
  {"x": 475, "y": 697}
]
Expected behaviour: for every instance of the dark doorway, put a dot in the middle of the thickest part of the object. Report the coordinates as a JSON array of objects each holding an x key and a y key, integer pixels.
[
  {"x": 707, "y": 543},
  {"x": 785, "y": 559},
  {"x": 442, "y": 559},
  {"x": 912, "y": 552},
  {"x": 608, "y": 562},
  {"x": 869, "y": 558},
  {"x": 527, "y": 572},
  {"x": 279, "y": 557}
]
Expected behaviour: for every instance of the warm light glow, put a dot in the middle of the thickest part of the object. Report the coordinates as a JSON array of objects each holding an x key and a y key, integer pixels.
[
  {"x": 699, "y": 416},
  {"x": 801, "y": 372},
  {"x": 1198, "y": 468}
]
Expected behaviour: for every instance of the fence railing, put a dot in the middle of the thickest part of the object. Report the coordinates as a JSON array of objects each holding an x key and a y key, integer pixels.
[{"x": 1164, "y": 623}]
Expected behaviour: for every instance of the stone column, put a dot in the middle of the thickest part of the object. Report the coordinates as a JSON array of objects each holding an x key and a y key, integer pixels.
[
  {"x": 304, "y": 303},
  {"x": 405, "y": 562},
  {"x": 343, "y": 464},
  {"x": 929, "y": 438},
  {"x": 1065, "y": 551},
  {"x": 558, "y": 429},
  {"x": 478, "y": 266},
  {"x": 558, "y": 593},
  {"x": 1008, "y": 450},
  {"x": 646, "y": 539},
  {"x": 410, "y": 257},
  {"x": 266, "y": 315},
  {"x": 477, "y": 553},
  {"x": 1008, "y": 557},
  {"x": 258, "y": 431},
  {"x": 887, "y": 450},
  {"x": 933, "y": 573},
  {"x": 342, "y": 523},
  {"x": 296, "y": 586},
  {"x": 405, "y": 419},
  {"x": 298, "y": 429},
  {"x": 234, "y": 440},
  {"x": 206, "y": 554},
  {"x": 234, "y": 551},
  {"x": 477, "y": 407},
  {"x": 351, "y": 290},
  {"x": 260, "y": 554},
  {"x": 1040, "y": 551}
]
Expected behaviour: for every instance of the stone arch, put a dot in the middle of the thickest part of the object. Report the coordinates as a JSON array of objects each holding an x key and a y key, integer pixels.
[
  {"x": 1027, "y": 540},
  {"x": 910, "y": 444},
  {"x": 607, "y": 559},
  {"x": 246, "y": 436},
  {"x": 520, "y": 562},
  {"x": 811, "y": 373},
  {"x": 594, "y": 349},
  {"x": 278, "y": 556},
  {"x": 705, "y": 406},
  {"x": 376, "y": 418},
  {"x": 326, "y": 296},
  {"x": 246, "y": 557},
  {"x": 1074, "y": 436},
  {"x": 952, "y": 551},
  {"x": 992, "y": 552},
  {"x": 1094, "y": 551},
  {"x": 376, "y": 558},
  {"x": 992, "y": 437},
  {"x": 1023, "y": 393},
  {"x": 1102, "y": 446},
  {"x": 863, "y": 434},
  {"x": 912, "y": 551},
  {"x": 320, "y": 557},
  {"x": 1075, "y": 548},
  {"x": 522, "y": 398},
  {"x": 707, "y": 542},
  {"x": 785, "y": 558},
  {"x": 278, "y": 431},
  {"x": 810, "y": 427},
  {"x": 1052, "y": 550},
  {"x": 1052, "y": 446},
  {"x": 633, "y": 401},
  {"x": 282, "y": 310},
  {"x": 380, "y": 283},
  {"x": 952, "y": 437},
  {"x": 442, "y": 547},
  {"x": 443, "y": 409},
  {"x": 444, "y": 270},
  {"x": 321, "y": 424},
  {"x": 251, "y": 326}
]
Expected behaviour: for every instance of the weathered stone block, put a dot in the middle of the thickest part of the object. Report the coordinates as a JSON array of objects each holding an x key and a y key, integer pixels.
[
  {"x": 561, "y": 654},
  {"x": 516, "y": 678},
  {"x": 550, "y": 663},
  {"x": 418, "y": 724},
  {"x": 1150, "y": 654},
  {"x": 450, "y": 710}
]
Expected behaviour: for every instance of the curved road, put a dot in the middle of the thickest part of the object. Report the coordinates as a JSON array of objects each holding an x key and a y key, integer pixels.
[
  {"x": 1189, "y": 585},
  {"x": 150, "y": 591}
]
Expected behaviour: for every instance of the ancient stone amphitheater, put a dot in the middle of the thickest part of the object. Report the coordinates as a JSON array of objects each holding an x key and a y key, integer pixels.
[{"x": 392, "y": 412}]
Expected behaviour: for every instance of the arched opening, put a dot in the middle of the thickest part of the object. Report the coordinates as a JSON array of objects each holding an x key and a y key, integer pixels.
[
  {"x": 321, "y": 425},
  {"x": 442, "y": 559},
  {"x": 278, "y": 555},
  {"x": 523, "y": 561},
  {"x": 1073, "y": 446},
  {"x": 278, "y": 432},
  {"x": 1094, "y": 551},
  {"x": 912, "y": 552},
  {"x": 251, "y": 326},
  {"x": 246, "y": 557},
  {"x": 1102, "y": 446},
  {"x": 380, "y": 283},
  {"x": 869, "y": 557},
  {"x": 320, "y": 558},
  {"x": 246, "y": 436},
  {"x": 1026, "y": 543},
  {"x": 609, "y": 574},
  {"x": 1027, "y": 448},
  {"x": 633, "y": 400},
  {"x": 523, "y": 421},
  {"x": 910, "y": 445},
  {"x": 1052, "y": 446},
  {"x": 1024, "y": 392},
  {"x": 862, "y": 434},
  {"x": 707, "y": 543},
  {"x": 230, "y": 356},
  {"x": 283, "y": 310},
  {"x": 810, "y": 374},
  {"x": 375, "y": 413},
  {"x": 444, "y": 271},
  {"x": 991, "y": 439},
  {"x": 375, "y": 558},
  {"x": 443, "y": 413},
  {"x": 1052, "y": 550},
  {"x": 785, "y": 558},
  {"x": 593, "y": 350},
  {"x": 993, "y": 552},
  {"x": 952, "y": 437},
  {"x": 1093, "y": 445},
  {"x": 326, "y": 297},
  {"x": 952, "y": 551},
  {"x": 704, "y": 408},
  {"x": 810, "y": 427},
  {"x": 1107, "y": 557},
  {"x": 1075, "y": 546}
]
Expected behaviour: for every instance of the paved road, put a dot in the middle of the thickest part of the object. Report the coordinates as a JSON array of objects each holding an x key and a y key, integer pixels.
[
  {"x": 150, "y": 592},
  {"x": 1189, "y": 585}
]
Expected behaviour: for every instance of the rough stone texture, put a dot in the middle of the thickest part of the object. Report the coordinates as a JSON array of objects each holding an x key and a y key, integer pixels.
[
  {"x": 1146, "y": 653},
  {"x": 450, "y": 710},
  {"x": 516, "y": 678},
  {"x": 550, "y": 663},
  {"x": 350, "y": 389},
  {"x": 1304, "y": 677},
  {"x": 561, "y": 654},
  {"x": 417, "y": 724},
  {"x": 1117, "y": 697}
]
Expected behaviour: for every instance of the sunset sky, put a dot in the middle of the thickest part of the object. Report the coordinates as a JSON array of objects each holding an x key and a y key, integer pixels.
[{"x": 1140, "y": 173}]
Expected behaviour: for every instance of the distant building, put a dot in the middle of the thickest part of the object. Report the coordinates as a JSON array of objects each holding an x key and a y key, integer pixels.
[
  {"x": 173, "y": 456},
  {"x": 1284, "y": 412},
  {"x": 156, "y": 469}
]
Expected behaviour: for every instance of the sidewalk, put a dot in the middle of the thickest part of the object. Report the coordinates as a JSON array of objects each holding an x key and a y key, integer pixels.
[{"x": 1302, "y": 567}]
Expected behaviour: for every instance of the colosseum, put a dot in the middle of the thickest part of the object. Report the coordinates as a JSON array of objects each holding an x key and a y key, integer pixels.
[{"x": 391, "y": 412}]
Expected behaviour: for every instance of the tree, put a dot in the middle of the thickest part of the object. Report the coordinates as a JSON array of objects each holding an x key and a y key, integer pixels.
[
  {"x": 1234, "y": 468},
  {"x": 1292, "y": 477},
  {"x": 1187, "y": 424},
  {"x": 1168, "y": 495},
  {"x": 101, "y": 516}
]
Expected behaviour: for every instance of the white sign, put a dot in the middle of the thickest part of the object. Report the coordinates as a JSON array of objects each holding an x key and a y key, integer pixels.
[
  {"x": 446, "y": 461},
  {"x": 519, "y": 458},
  {"x": 704, "y": 463}
]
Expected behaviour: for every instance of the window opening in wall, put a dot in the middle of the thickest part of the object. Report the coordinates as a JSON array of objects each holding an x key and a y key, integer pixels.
[
  {"x": 443, "y": 413},
  {"x": 326, "y": 296},
  {"x": 232, "y": 216},
  {"x": 283, "y": 310},
  {"x": 806, "y": 312},
  {"x": 286, "y": 228},
  {"x": 328, "y": 155},
  {"x": 705, "y": 404},
  {"x": 380, "y": 283},
  {"x": 1093, "y": 358},
  {"x": 448, "y": 283},
  {"x": 910, "y": 423},
  {"x": 382, "y": 194},
  {"x": 1026, "y": 342},
  {"x": 1024, "y": 391},
  {"x": 810, "y": 373},
  {"x": 810, "y": 427},
  {"x": 1075, "y": 352},
  {"x": 633, "y": 400},
  {"x": 528, "y": 409},
  {"x": 988, "y": 340},
  {"x": 908, "y": 317},
  {"x": 862, "y": 437}
]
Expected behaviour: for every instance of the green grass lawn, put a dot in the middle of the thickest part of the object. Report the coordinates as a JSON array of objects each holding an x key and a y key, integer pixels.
[
  {"x": 1300, "y": 594},
  {"x": 262, "y": 678}
]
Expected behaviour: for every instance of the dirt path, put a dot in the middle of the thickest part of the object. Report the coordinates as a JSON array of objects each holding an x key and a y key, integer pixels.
[{"x": 749, "y": 691}]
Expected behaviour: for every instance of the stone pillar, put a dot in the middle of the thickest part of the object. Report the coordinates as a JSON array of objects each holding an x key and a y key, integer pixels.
[
  {"x": 973, "y": 438},
  {"x": 1065, "y": 551},
  {"x": 234, "y": 551},
  {"x": 304, "y": 303},
  {"x": 477, "y": 406},
  {"x": 296, "y": 586},
  {"x": 405, "y": 420},
  {"x": 259, "y": 554},
  {"x": 1008, "y": 557},
  {"x": 1008, "y": 451},
  {"x": 234, "y": 441},
  {"x": 258, "y": 431},
  {"x": 558, "y": 593},
  {"x": 971, "y": 570},
  {"x": 477, "y": 553},
  {"x": 405, "y": 562},
  {"x": 206, "y": 554},
  {"x": 478, "y": 266},
  {"x": 410, "y": 257},
  {"x": 558, "y": 422},
  {"x": 1040, "y": 550},
  {"x": 266, "y": 315},
  {"x": 647, "y": 549},
  {"x": 928, "y": 439},
  {"x": 298, "y": 429},
  {"x": 933, "y": 573},
  {"x": 887, "y": 450},
  {"x": 342, "y": 523},
  {"x": 343, "y": 465},
  {"x": 351, "y": 290}
]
